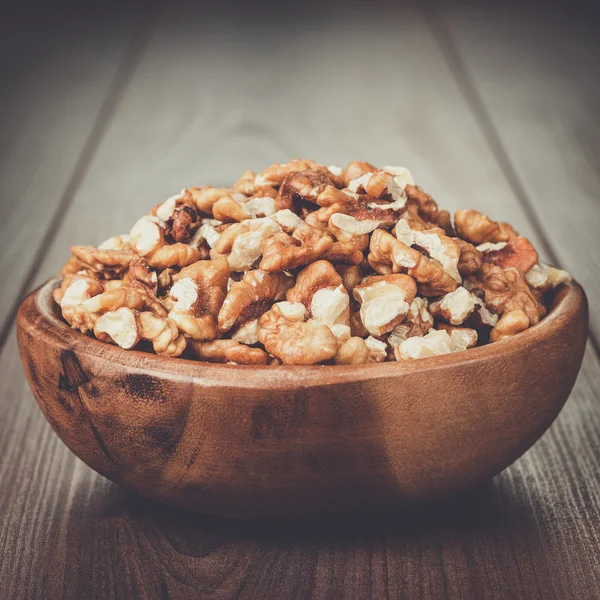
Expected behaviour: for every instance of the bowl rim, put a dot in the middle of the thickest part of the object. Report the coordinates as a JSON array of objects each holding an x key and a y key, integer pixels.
[{"x": 568, "y": 301}]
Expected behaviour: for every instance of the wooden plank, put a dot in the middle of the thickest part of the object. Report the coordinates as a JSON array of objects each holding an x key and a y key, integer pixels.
[
  {"x": 533, "y": 80},
  {"x": 60, "y": 86},
  {"x": 229, "y": 104}
]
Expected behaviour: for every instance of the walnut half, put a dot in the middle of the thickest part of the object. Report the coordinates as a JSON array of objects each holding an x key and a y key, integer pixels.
[{"x": 286, "y": 335}]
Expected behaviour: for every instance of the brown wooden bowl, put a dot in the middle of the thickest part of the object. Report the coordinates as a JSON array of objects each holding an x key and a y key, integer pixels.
[{"x": 290, "y": 441}]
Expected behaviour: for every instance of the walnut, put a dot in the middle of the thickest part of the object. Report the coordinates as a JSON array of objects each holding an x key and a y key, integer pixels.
[
  {"x": 331, "y": 200},
  {"x": 318, "y": 275},
  {"x": 350, "y": 242},
  {"x": 341, "y": 331},
  {"x": 508, "y": 230},
  {"x": 336, "y": 175},
  {"x": 119, "y": 326},
  {"x": 275, "y": 174},
  {"x": 384, "y": 300},
  {"x": 165, "y": 279},
  {"x": 381, "y": 185},
  {"x": 490, "y": 247},
  {"x": 390, "y": 255},
  {"x": 207, "y": 235},
  {"x": 206, "y": 197},
  {"x": 245, "y": 184},
  {"x": 200, "y": 327},
  {"x": 456, "y": 306},
  {"x": 348, "y": 252},
  {"x": 230, "y": 210},
  {"x": 462, "y": 337},
  {"x": 287, "y": 220},
  {"x": 72, "y": 266},
  {"x": 361, "y": 183},
  {"x": 301, "y": 186},
  {"x": 381, "y": 248},
  {"x": 505, "y": 290},
  {"x": 139, "y": 270},
  {"x": 346, "y": 227},
  {"x": 351, "y": 276},
  {"x": 283, "y": 252},
  {"x": 226, "y": 237},
  {"x": 435, "y": 343},
  {"x": 252, "y": 297},
  {"x": 356, "y": 351},
  {"x": 518, "y": 252},
  {"x": 402, "y": 176},
  {"x": 237, "y": 207},
  {"x": 164, "y": 211},
  {"x": 418, "y": 322},
  {"x": 247, "y": 332},
  {"x": 112, "y": 284},
  {"x": 355, "y": 253},
  {"x": 117, "y": 242},
  {"x": 77, "y": 288},
  {"x": 427, "y": 207},
  {"x": 544, "y": 277},
  {"x": 245, "y": 243},
  {"x": 151, "y": 302},
  {"x": 182, "y": 224},
  {"x": 112, "y": 300},
  {"x": 444, "y": 221},
  {"x": 104, "y": 260},
  {"x": 81, "y": 309},
  {"x": 319, "y": 288},
  {"x": 477, "y": 228},
  {"x": 435, "y": 242},
  {"x": 356, "y": 169},
  {"x": 470, "y": 258},
  {"x": 198, "y": 294},
  {"x": 286, "y": 335},
  {"x": 262, "y": 203},
  {"x": 512, "y": 322},
  {"x": 482, "y": 318},
  {"x": 163, "y": 333},
  {"x": 361, "y": 207},
  {"x": 227, "y": 351},
  {"x": 353, "y": 351},
  {"x": 73, "y": 292},
  {"x": 147, "y": 235},
  {"x": 379, "y": 191},
  {"x": 357, "y": 328},
  {"x": 177, "y": 216},
  {"x": 206, "y": 273},
  {"x": 78, "y": 318},
  {"x": 174, "y": 255}
]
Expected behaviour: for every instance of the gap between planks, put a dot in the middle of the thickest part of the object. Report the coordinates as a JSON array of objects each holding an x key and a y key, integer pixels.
[
  {"x": 131, "y": 59},
  {"x": 449, "y": 50}
]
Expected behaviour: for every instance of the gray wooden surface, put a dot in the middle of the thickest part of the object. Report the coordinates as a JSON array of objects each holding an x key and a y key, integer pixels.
[{"x": 110, "y": 113}]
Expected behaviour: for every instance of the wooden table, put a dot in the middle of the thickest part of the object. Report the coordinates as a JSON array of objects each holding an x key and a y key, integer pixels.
[{"x": 107, "y": 112}]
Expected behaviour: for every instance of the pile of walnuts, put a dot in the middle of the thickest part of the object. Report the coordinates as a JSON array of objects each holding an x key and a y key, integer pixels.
[{"x": 305, "y": 264}]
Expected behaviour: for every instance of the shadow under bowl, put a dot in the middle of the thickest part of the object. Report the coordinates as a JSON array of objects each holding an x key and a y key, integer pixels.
[{"x": 298, "y": 441}]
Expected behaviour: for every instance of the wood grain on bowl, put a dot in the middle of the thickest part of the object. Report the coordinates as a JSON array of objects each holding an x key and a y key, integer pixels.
[{"x": 291, "y": 441}]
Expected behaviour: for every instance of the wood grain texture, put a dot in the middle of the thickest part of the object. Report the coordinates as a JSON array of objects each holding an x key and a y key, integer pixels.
[
  {"x": 58, "y": 96},
  {"x": 65, "y": 532},
  {"x": 297, "y": 441}
]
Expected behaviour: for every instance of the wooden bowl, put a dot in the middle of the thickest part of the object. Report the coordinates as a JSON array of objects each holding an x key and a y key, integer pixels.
[{"x": 297, "y": 441}]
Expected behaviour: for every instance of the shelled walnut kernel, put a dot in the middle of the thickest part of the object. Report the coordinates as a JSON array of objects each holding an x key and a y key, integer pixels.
[{"x": 305, "y": 264}]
